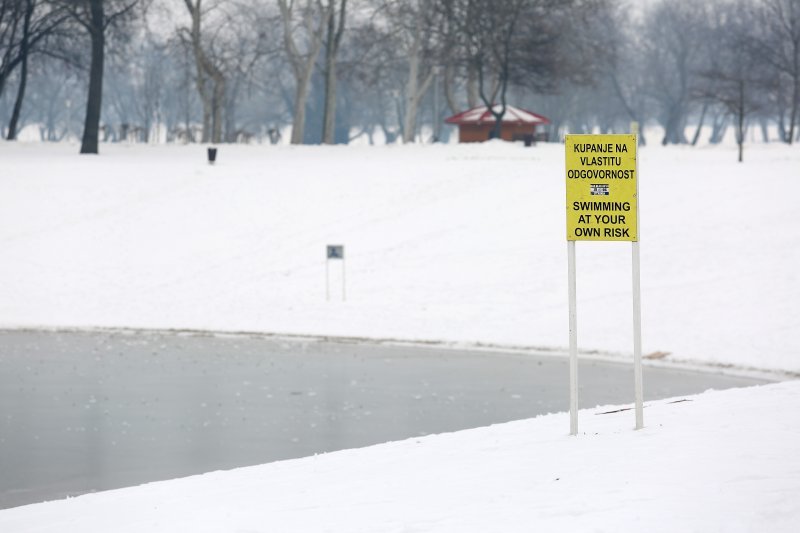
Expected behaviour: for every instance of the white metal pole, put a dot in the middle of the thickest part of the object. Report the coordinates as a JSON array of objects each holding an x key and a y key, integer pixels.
[
  {"x": 344, "y": 284},
  {"x": 637, "y": 336},
  {"x": 637, "y": 305},
  {"x": 573, "y": 341},
  {"x": 327, "y": 280}
]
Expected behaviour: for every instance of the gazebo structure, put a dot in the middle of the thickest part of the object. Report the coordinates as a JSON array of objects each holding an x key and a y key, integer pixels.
[{"x": 476, "y": 124}]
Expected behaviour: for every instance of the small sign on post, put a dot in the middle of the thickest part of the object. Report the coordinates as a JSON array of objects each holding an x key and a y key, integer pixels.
[
  {"x": 603, "y": 205},
  {"x": 334, "y": 252}
]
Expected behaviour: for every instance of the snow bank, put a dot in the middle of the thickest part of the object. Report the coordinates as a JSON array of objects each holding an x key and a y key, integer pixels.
[
  {"x": 462, "y": 244},
  {"x": 720, "y": 461}
]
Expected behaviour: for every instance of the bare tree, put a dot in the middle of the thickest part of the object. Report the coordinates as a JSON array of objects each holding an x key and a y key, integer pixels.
[
  {"x": 209, "y": 77},
  {"x": 673, "y": 51},
  {"x": 53, "y": 87},
  {"x": 137, "y": 75},
  {"x": 96, "y": 17},
  {"x": 12, "y": 14},
  {"x": 253, "y": 40},
  {"x": 397, "y": 64},
  {"x": 376, "y": 69},
  {"x": 735, "y": 77},
  {"x": 415, "y": 36},
  {"x": 260, "y": 72},
  {"x": 313, "y": 18},
  {"x": 333, "y": 39},
  {"x": 24, "y": 52},
  {"x": 536, "y": 44},
  {"x": 624, "y": 64},
  {"x": 777, "y": 43},
  {"x": 25, "y": 26},
  {"x": 490, "y": 31}
]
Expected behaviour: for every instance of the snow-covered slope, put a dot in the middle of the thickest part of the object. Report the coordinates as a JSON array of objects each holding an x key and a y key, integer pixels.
[{"x": 453, "y": 243}]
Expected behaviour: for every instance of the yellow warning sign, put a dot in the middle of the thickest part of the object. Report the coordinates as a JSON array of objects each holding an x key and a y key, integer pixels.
[{"x": 602, "y": 203}]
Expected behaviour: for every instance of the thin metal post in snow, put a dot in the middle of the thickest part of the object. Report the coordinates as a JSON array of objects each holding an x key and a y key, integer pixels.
[
  {"x": 637, "y": 305},
  {"x": 637, "y": 336},
  {"x": 327, "y": 280},
  {"x": 573, "y": 341},
  {"x": 344, "y": 282}
]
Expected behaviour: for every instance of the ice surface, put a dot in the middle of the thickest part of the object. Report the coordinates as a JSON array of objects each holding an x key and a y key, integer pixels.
[{"x": 722, "y": 461}]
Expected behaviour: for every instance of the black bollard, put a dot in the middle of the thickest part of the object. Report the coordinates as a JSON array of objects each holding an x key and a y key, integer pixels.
[{"x": 212, "y": 155}]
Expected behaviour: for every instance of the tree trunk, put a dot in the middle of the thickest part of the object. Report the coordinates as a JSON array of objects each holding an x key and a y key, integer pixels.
[
  {"x": 642, "y": 138},
  {"x": 329, "y": 113},
  {"x": 302, "y": 67},
  {"x": 231, "y": 134},
  {"x": 202, "y": 82},
  {"x": 764, "y": 123},
  {"x": 719, "y": 127},
  {"x": 299, "y": 114},
  {"x": 23, "y": 80},
  {"x": 410, "y": 118},
  {"x": 498, "y": 123},
  {"x": 205, "y": 135},
  {"x": 741, "y": 150},
  {"x": 334, "y": 38},
  {"x": 414, "y": 89},
  {"x": 449, "y": 94},
  {"x": 794, "y": 106},
  {"x": 740, "y": 122},
  {"x": 669, "y": 130},
  {"x": 699, "y": 125},
  {"x": 412, "y": 101},
  {"x": 472, "y": 88},
  {"x": 91, "y": 127},
  {"x": 210, "y": 79},
  {"x": 488, "y": 101},
  {"x": 783, "y": 133},
  {"x": 217, "y": 103}
]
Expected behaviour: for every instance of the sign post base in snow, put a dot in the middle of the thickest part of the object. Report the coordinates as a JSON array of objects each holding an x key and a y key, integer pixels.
[{"x": 603, "y": 205}]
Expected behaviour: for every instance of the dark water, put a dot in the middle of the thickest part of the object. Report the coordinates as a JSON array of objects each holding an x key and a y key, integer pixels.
[{"x": 82, "y": 412}]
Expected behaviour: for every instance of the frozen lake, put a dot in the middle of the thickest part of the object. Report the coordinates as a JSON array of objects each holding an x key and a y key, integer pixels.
[{"x": 82, "y": 412}]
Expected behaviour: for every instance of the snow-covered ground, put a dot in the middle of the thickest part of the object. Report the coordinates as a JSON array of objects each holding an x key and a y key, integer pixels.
[
  {"x": 720, "y": 462},
  {"x": 463, "y": 244},
  {"x": 457, "y": 244}
]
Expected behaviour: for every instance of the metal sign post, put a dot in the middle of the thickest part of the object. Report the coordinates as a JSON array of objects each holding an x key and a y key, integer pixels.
[
  {"x": 637, "y": 337},
  {"x": 573, "y": 341},
  {"x": 603, "y": 205},
  {"x": 334, "y": 252},
  {"x": 637, "y": 306}
]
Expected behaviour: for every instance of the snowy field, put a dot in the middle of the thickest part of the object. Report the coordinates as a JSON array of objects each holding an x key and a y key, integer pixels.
[{"x": 461, "y": 245}]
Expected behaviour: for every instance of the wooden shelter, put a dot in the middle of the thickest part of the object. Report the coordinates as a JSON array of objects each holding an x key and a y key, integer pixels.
[{"x": 476, "y": 124}]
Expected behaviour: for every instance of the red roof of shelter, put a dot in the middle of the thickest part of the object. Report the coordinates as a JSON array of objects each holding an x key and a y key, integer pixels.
[{"x": 482, "y": 115}]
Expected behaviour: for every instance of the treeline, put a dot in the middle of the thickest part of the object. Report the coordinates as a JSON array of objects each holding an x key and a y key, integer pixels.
[{"x": 330, "y": 71}]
